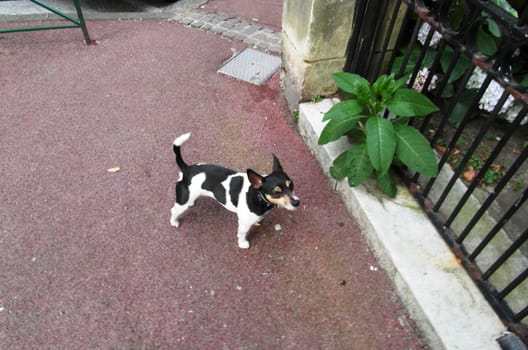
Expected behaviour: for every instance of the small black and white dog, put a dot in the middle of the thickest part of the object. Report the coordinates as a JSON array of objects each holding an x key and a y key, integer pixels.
[{"x": 248, "y": 194}]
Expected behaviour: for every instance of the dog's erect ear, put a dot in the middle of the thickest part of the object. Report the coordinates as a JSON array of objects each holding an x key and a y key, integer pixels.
[
  {"x": 276, "y": 164},
  {"x": 255, "y": 179}
]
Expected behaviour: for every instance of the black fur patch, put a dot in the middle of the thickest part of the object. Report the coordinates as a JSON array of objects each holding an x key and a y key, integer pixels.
[
  {"x": 182, "y": 193},
  {"x": 215, "y": 175},
  {"x": 255, "y": 203},
  {"x": 235, "y": 186}
]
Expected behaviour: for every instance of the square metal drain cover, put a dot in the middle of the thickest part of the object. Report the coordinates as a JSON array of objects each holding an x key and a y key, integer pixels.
[{"x": 252, "y": 66}]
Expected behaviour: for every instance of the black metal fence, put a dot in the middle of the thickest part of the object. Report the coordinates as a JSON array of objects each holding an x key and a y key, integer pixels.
[{"x": 471, "y": 58}]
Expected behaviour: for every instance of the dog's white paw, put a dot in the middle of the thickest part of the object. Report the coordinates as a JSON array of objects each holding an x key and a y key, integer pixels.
[
  {"x": 243, "y": 244},
  {"x": 175, "y": 223}
]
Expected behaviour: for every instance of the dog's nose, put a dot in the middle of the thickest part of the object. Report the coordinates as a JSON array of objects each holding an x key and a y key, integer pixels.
[{"x": 295, "y": 202}]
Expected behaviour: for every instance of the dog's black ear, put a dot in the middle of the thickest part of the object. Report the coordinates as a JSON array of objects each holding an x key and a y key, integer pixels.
[
  {"x": 277, "y": 167},
  {"x": 255, "y": 179}
]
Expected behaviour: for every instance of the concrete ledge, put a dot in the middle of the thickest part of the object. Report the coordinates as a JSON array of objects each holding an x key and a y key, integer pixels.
[{"x": 445, "y": 303}]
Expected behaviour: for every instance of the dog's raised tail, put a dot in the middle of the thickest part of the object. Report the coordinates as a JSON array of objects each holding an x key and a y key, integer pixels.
[{"x": 180, "y": 140}]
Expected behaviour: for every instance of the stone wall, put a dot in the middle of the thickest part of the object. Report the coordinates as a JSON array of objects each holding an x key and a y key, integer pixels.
[{"x": 315, "y": 34}]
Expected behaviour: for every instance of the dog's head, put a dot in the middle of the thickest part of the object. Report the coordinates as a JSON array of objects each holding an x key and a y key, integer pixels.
[{"x": 277, "y": 187}]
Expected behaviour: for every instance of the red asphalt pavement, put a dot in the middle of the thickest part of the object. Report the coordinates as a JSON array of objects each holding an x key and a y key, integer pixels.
[{"x": 89, "y": 260}]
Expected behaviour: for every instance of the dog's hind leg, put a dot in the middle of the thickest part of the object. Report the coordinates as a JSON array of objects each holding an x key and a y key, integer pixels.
[
  {"x": 176, "y": 211},
  {"x": 183, "y": 202},
  {"x": 186, "y": 196}
]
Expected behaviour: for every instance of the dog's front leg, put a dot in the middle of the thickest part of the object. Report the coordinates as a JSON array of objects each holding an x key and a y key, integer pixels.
[
  {"x": 243, "y": 229},
  {"x": 244, "y": 225}
]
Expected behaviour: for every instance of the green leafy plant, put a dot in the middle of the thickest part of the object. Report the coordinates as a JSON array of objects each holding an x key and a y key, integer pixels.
[
  {"x": 491, "y": 176},
  {"x": 476, "y": 162},
  {"x": 317, "y": 98},
  {"x": 295, "y": 114},
  {"x": 518, "y": 184},
  {"x": 378, "y": 141}
]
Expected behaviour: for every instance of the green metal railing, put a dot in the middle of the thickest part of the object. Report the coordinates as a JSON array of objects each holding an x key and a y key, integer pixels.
[{"x": 75, "y": 22}]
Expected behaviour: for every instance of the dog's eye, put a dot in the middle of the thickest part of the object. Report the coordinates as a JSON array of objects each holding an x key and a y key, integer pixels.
[{"x": 277, "y": 189}]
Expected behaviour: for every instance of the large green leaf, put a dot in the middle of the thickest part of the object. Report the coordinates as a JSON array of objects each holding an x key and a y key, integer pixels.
[
  {"x": 349, "y": 82},
  {"x": 462, "y": 106},
  {"x": 410, "y": 103},
  {"x": 486, "y": 43},
  {"x": 461, "y": 64},
  {"x": 337, "y": 127},
  {"x": 339, "y": 168},
  {"x": 354, "y": 164},
  {"x": 524, "y": 81},
  {"x": 504, "y": 4},
  {"x": 358, "y": 163},
  {"x": 381, "y": 143},
  {"x": 343, "y": 109},
  {"x": 356, "y": 136},
  {"x": 414, "y": 151},
  {"x": 365, "y": 96},
  {"x": 387, "y": 184}
]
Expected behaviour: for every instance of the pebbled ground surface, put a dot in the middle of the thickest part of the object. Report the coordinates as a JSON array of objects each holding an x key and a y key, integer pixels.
[{"x": 89, "y": 259}]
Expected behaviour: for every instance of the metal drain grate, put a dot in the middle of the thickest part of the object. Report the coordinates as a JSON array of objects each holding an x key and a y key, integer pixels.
[{"x": 252, "y": 66}]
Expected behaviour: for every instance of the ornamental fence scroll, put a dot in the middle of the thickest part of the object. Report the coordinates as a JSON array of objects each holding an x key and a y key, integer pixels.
[{"x": 471, "y": 58}]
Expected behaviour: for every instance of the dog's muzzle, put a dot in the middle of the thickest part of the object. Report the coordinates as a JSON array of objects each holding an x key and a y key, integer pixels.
[{"x": 294, "y": 203}]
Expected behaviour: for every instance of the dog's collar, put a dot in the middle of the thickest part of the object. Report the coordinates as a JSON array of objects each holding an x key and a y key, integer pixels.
[{"x": 266, "y": 201}]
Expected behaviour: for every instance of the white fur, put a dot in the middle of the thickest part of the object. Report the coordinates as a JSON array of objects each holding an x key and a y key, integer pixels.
[
  {"x": 180, "y": 140},
  {"x": 289, "y": 206}
]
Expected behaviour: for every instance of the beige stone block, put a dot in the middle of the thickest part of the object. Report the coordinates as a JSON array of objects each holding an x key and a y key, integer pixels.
[
  {"x": 320, "y": 29},
  {"x": 302, "y": 80}
]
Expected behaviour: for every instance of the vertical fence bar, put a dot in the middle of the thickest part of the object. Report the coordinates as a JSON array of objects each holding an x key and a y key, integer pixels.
[
  {"x": 522, "y": 314},
  {"x": 514, "y": 284},
  {"x": 387, "y": 39},
  {"x": 407, "y": 55},
  {"x": 381, "y": 9},
  {"x": 401, "y": 35},
  {"x": 506, "y": 255},
  {"x": 362, "y": 43},
  {"x": 354, "y": 42},
  {"x": 500, "y": 223},
  {"x": 434, "y": 68}
]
